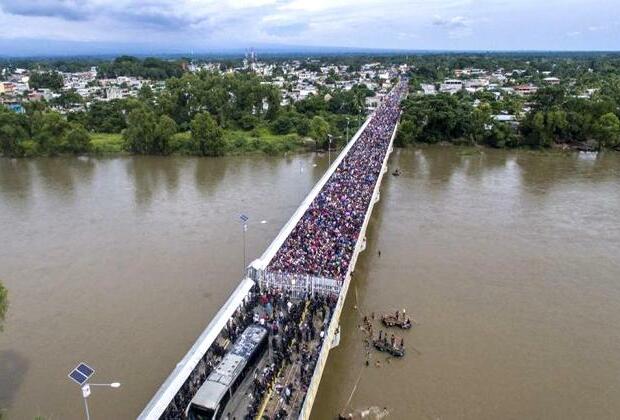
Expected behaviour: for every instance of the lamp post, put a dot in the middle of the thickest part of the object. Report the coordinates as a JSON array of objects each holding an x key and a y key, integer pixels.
[
  {"x": 86, "y": 394},
  {"x": 244, "y": 221},
  {"x": 81, "y": 374},
  {"x": 347, "y": 129},
  {"x": 329, "y": 149}
]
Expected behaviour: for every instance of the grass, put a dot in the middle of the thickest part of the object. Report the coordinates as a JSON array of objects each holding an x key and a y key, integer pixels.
[
  {"x": 260, "y": 140},
  {"x": 238, "y": 142},
  {"x": 106, "y": 143}
]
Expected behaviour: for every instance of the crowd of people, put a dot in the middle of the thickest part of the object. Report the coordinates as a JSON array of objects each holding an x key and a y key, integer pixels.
[
  {"x": 235, "y": 326},
  {"x": 322, "y": 242},
  {"x": 292, "y": 327}
]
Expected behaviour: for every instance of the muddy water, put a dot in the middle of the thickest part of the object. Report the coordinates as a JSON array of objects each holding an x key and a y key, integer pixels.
[
  {"x": 509, "y": 261},
  {"x": 122, "y": 263}
]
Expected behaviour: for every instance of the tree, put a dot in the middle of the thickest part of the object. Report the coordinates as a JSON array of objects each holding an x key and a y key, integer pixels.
[
  {"x": 319, "y": 129},
  {"x": 407, "y": 134},
  {"x": 107, "y": 117},
  {"x": 50, "y": 80},
  {"x": 207, "y": 136},
  {"x": 480, "y": 120},
  {"x": 139, "y": 135},
  {"x": 283, "y": 124},
  {"x": 77, "y": 140},
  {"x": 607, "y": 131},
  {"x": 164, "y": 130},
  {"x": 68, "y": 99},
  {"x": 13, "y": 130},
  {"x": 47, "y": 130}
]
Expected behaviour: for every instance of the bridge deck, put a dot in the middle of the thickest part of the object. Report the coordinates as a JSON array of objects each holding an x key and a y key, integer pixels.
[{"x": 185, "y": 376}]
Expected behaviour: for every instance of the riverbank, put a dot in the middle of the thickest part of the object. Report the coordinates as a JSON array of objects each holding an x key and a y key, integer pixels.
[
  {"x": 479, "y": 148},
  {"x": 237, "y": 142}
]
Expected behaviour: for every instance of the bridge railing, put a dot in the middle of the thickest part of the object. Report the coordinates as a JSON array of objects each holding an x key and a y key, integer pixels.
[{"x": 299, "y": 285}]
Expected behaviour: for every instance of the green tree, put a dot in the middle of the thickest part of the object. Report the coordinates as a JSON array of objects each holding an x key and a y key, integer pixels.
[
  {"x": 13, "y": 130},
  {"x": 139, "y": 135},
  {"x": 480, "y": 120},
  {"x": 47, "y": 130},
  {"x": 76, "y": 140},
  {"x": 164, "y": 130},
  {"x": 607, "y": 131},
  {"x": 50, "y": 80},
  {"x": 207, "y": 136},
  {"x": 67, "y": 99},
  {"x": 319, "y": 129}
]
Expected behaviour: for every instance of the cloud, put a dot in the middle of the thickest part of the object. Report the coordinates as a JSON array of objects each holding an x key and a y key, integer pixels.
[
  {"x": 453, "y": 22},
  {"x": 64, "y": 9},
  {"x": 286, "y": 29},
  {"x": 421, "y": 24},
  {"x": 457, "y": 26}
]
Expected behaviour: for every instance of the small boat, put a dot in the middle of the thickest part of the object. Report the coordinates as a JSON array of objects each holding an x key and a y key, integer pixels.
[
  {"x": 396, "y": 172},
  {"x": 365, "y": 413},
  {"x": 385, "y": 346},
  {"x": 390, "y": 320}
]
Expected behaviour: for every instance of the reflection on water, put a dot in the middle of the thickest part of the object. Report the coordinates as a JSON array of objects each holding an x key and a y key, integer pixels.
[
  {"x": 13, "y": 367},
  {"x": 509, "y": 260}
]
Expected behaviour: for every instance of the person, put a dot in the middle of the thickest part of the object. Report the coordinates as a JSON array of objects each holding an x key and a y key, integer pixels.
[{"x": 379, "y": 252}]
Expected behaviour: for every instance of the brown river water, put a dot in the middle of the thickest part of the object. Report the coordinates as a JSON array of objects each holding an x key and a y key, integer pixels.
[{"x": 509, "y": 261}]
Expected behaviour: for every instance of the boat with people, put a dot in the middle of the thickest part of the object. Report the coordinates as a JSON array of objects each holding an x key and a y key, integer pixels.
[
  {"x": 365, "y": 413},
  {"x": 384, "y": 346},
  {"x": 396, "y": 320},
  {"x": 396, "y": 172}
]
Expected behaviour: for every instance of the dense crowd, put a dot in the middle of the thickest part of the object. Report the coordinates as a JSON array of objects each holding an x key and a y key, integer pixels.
[
  {"x": 235, "y": 326},
  {"x": 292, "y": 326},
  {"x": 322, "y": 242}
]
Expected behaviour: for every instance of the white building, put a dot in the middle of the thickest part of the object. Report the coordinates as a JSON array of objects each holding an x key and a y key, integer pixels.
[{"x": 451, "y": 86}]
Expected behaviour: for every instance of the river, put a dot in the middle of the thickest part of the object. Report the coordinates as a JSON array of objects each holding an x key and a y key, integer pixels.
[{"x": 509, "y": 261}]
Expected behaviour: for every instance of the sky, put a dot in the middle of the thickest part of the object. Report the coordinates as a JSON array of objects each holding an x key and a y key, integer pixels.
[{"x": 69, "y": 26}]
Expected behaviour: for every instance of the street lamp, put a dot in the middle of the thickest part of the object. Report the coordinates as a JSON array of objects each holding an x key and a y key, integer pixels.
[
  {"x": 80, "y": 375},
  {"x": 347, "y": 129},
  {"x": 86, "y": 394},
  {"x": 244, "y": 221},
  {"x": 329, "y": 149}
]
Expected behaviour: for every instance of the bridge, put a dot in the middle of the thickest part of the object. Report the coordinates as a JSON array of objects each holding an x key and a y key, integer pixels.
[{"x": 310, "y": 261}]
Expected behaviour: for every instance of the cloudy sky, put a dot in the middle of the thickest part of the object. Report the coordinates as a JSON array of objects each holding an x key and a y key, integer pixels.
[{"x": 210, "y": 25}]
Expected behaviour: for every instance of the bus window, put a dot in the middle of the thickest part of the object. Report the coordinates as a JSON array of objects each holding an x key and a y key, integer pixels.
[{"x": 200, "y": 413}]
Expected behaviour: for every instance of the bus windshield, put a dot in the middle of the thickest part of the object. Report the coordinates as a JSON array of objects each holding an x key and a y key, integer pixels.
[{"x": 200, "y": 413}]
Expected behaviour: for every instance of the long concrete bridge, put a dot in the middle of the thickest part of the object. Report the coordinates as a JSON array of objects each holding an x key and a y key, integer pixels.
[{"x": 260, "y": 276}]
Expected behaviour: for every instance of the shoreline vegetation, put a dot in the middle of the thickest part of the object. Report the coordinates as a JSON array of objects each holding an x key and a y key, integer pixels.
[
  {"x": 228, "y": 109},
  {"x": 204, "y": 113}
]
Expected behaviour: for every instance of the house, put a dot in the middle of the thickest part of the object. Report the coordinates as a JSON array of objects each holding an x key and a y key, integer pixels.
[
  {"x": 373, "y": 102},
  {"x": 552, "y": 80},
  {"x": 525, "y": 90},
  {"x": 428, "y": 89},
  {"x": 451, "y": 86},
  {"x": 7, "y": 88}
]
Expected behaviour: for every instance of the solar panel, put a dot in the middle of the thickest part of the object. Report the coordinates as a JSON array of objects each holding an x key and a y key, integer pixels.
[
  {"x": 78, "y": 377},
  {"x": 81, "y": 373},
  {"x": 85, "y": 369}
]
